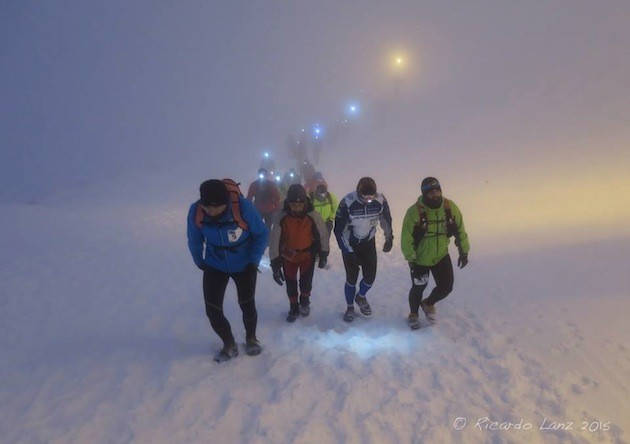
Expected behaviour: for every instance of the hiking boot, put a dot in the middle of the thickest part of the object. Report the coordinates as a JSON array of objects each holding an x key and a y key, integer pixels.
[
  {"x": 305, "y": 306},
  {"x": 349, "y": 314},
  {"x": 228, "y": 352},
  {"x": 294, "y": 313},
  {"x": 363, "y": 304},
  {"x": 413, "y": 321},
  {"x": 305, "y": 310},
  {"x": 253, "y": 346},
  {"x": 429, "y": 311}
]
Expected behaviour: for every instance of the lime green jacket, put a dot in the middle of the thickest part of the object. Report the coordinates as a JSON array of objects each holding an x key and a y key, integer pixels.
[
  {"x": 434, "y": 245},
  {"x": 327, "y": 208}
]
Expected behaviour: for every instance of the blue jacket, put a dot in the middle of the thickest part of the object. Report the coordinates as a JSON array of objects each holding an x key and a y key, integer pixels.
[{"x": 228, "y": 248}]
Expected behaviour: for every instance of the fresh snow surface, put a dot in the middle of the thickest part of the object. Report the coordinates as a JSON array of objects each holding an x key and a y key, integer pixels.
[{"x": 104, "y": 339}]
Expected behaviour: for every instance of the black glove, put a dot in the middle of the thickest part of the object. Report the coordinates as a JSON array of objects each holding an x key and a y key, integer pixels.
[
  {"x": 463, "y": 260},
  {"x": 276, "y": 267},
  {"x": 202, "y": 266},
  {"x": 387, "y": 246},
  {"x": 323, "y": 259}
]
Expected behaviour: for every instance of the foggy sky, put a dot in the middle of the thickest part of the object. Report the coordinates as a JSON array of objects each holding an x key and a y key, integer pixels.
[{"x": 495, "y": 92}]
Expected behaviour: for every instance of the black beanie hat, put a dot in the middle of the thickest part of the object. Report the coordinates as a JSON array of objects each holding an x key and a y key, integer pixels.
[
  {"x": 366, "y": 186},
  {"x": 296, "y": 193},
  {"x": 214, "y": 193},
  {"x": 428, "y": 184}
]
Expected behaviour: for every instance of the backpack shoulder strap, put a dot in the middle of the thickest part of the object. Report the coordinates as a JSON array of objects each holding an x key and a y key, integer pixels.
[
  {"x": 421, "y": 211},
  {"x": 199, "y": 216},
  {"x": 422, "y": 216},
  {"x": 447, "y": 210},
  {"x": 235, "y": 194}
]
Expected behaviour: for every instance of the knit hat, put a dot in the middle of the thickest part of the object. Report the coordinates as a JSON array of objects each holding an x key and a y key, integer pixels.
[
  {"x": 214, "y": 193},
  {"x": 428, "y": 184},
  {"x": 296, "y": 193},
  {"x": 366, "y": 186}
]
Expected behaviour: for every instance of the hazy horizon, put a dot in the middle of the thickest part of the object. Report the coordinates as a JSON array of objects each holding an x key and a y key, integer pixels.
[{"x": 519, "y": 109}]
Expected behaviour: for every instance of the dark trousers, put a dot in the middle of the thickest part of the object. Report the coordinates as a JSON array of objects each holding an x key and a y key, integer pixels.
[
  {"x": 442, "y": 275},
  {"x": 329, "y": 226},
  {"x": 214, "y": 284},
  {"x": 305, "y": 269},
  {"x": 363, "y": 259},
  {"x": 268, "y": 220}
]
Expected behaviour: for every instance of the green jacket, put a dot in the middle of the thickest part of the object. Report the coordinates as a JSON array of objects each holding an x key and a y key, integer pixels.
[
  {"x": 327, "y": 208},
  {"x": 434, "y": 245}
]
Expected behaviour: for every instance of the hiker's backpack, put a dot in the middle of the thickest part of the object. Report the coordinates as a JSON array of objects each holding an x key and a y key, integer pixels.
[
  {"x": 327, "y": 201},
  {"x": 421, "y": 227},
  {"x": 235, "y": 193}
]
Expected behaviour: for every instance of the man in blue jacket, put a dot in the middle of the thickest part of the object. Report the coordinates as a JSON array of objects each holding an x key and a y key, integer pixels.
[{"x": 230, "y": 252}]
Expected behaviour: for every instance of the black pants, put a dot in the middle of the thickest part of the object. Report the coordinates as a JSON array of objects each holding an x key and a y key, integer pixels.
[
  {"x": 329, "y": 226},
  {"x": 268, "y": 220},
  {"x": 364, "y": 256},
  {"x": 442, "y": 275},
  {"x": 214, "y": 284},
  {"x": 362, "y": 259}
]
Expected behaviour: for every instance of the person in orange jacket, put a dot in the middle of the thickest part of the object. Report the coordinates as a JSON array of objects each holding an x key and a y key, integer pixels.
[{"x": 298, "y": 237}]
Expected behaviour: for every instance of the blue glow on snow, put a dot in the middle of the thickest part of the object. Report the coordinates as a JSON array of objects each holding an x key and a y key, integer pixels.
[{"x": 368, "y": 343}]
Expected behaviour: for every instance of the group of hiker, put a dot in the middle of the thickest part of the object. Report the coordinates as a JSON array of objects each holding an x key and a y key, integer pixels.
[{"x": 229, "y": 233}]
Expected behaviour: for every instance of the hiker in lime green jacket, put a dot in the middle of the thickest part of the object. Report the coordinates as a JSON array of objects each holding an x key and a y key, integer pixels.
[
  {"x": 426, "y": 231},
  {"x": 325, "y": 203}
]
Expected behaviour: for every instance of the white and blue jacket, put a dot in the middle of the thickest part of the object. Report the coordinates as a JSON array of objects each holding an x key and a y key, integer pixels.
[{"x": 356, "y": 221}]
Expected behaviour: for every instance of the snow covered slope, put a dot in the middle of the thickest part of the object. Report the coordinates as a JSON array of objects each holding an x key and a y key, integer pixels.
[{"x": 103, "y": 339}]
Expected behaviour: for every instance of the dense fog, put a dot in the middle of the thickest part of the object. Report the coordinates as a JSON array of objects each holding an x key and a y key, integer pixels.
[{"x": 522, "y": 104}]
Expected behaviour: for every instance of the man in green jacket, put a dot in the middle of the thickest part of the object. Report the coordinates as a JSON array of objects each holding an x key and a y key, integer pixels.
[
  {"x": 426, "y": 231},
  {"x": 325, "y": 203}
]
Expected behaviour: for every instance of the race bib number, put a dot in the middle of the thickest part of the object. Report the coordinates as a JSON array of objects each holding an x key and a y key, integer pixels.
[
  {"x": 235, "y": 235},
  {"x": 421, "y": 280}
]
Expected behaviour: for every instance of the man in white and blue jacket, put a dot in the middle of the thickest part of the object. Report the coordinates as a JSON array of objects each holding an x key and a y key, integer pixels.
[
  {"x": 356, "y": 220},
  {"x": 223, "y": 249}
]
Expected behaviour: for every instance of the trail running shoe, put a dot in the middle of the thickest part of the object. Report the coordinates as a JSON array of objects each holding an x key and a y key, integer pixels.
[
  {"x": 253, "y": 347},
  {"x": 413, "y": 321},
  {"x": 349, "y": 314},
  {"x": 305, "y": 310},
  {"x": 227, "y": 352},
  {"x": 429, "y": 311},
  {"x": 293, "y": 314},
  {"x": 363, "y": 304}
]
